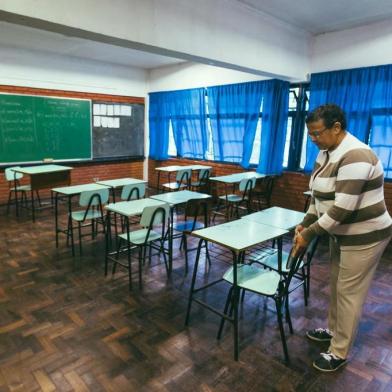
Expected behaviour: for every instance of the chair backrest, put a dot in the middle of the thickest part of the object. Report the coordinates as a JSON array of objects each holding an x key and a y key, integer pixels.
[
  {"x": 183, "y": 176},
  {"x": 264, "y": 189},
  {"x": 11, "y": 175},
  {"x": 197, "y": 208},
  {"x": 247, "y": 184},
  {"x": 204, "y": 175},
  {"x": 94, "y": 198},
  {"x": 133, "y": 192},
  {"x": 155, "y": 215}
]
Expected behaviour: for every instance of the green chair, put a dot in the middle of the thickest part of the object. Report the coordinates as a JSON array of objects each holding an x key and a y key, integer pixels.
[
  {"x": 263, "y": 191},
  {"x": 93, "y": 201},
  {"x": 267, "y": 283},
  {"x": 13, "y": 177},
  {"x": 202, "y": 180},
  {"x": 196, "y": 216},
  {"x": 233, "y": 202},
  {"x": 270, "y": 261},
  {"x": 183, "y": 181},
  {"x": 154, "y": 222},
  {"x": 133, "y": 192}
]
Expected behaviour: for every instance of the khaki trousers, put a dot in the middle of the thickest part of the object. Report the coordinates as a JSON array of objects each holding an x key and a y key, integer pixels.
[{"x": 351, "y": 274}]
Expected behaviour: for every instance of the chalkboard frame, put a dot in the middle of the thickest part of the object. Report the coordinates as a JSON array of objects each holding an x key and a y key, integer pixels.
[{"x": 89, "y": 100}]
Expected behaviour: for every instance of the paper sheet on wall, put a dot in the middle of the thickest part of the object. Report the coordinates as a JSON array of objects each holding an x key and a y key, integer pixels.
[
  {"x": 103, "y": 109},
  {"x": 97, "y": 121},
  {"x": 96, "y": 109},
  {"x": 104, "y": 122},
  {"x": 110, "y": 122},
  {"x": 110, "y": 110},
  {"x": 126, "y": 110},
  {"x": 116, "y": 122},
  {"x": 117, "y": 110}
]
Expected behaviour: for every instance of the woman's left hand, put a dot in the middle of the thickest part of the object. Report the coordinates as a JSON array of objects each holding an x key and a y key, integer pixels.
[{"x": 299, "y": 243}]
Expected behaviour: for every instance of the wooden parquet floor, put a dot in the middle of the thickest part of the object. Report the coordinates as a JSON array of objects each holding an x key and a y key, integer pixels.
[{"x": 65, "y": 327}]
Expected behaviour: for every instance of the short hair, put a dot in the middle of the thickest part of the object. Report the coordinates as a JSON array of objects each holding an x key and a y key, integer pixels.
[{"x": 329, "y": 113}]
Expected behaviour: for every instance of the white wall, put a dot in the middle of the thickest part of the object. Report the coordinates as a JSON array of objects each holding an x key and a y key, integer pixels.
[
  {"x": 359, "y": 47},
  {"x": 191, "y": 75},
  {"x": 222, "y": 31},
  {"x": 42, "y": 70}
]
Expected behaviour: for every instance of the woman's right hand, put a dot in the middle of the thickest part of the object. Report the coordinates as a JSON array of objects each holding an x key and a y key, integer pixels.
[{"x": 298, "y": 229}]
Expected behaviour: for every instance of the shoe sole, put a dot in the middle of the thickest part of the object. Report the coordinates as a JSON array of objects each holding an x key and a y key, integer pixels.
[
  {"x": 317, "y": 339},
  {"x": 329, "y": 370}
]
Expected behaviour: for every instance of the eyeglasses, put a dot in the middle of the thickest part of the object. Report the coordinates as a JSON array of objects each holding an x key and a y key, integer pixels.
[{"x": 317, "y": 134}]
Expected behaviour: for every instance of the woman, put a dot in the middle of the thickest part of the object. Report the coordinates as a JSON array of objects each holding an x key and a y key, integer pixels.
[{"x": 347, "y": 204}]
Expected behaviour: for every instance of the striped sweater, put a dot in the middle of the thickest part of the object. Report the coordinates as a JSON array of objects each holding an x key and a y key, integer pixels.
[{"x": 347, "y": 186}]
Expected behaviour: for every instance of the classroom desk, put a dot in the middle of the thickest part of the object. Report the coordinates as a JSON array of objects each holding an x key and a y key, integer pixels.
[
  {"x": 119, "y": 183},
  {"x": 174, "y": 199},
  {"x": 43, "y": 177},
  {"x": 282, "y": 218},
  {"x": 69, "y": 192},
  {"x": 174, "y": 168},
  {"x": 234, "y": 179},
  {"x": 237, "y": 236},
  {"x": 126, "y": 209}
]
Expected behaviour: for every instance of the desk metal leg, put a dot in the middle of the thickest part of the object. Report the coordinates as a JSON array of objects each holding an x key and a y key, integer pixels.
[
  {"x": 108, "y": 241},
  {"x": 32, "y": 205},
  {"x": 16, "y": 195},
  {"x": 171, "y": 230},
  {"x": 194, "y": 275},
  {"x": 56, "y": 217},
  {"x": 236, "y": 259},
  {"x": 70, "y": 224}
]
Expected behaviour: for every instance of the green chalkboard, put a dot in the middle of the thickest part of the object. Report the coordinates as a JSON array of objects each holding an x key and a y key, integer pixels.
[{"x": 33, "y": 128}]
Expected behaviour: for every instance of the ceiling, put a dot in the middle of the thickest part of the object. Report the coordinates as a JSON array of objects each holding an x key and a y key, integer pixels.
[
  {"x": 321, "y": 16},
  {"x": 22, "y": 37}
]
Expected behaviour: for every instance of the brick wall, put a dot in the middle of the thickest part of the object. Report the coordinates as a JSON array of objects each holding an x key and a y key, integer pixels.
[
  {"x": 83, "y": 172},
  {"x": 288, "y": 188}
]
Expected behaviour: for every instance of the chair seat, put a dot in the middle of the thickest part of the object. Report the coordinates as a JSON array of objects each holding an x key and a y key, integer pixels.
[
  {"x": 138, "y": 237},
  {"x": 254, "y": 279},
  {"x": 231, "y": 198},
  {"x": 174, "y": 185},
  {"x": 79, "y": 215},
  {"x": 271, "y": 261},
  {"x": 187, "y": 226},
  {"x": 21, "y": 188}
]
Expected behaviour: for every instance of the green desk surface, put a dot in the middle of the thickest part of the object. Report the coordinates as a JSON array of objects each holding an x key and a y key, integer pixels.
[
  {"x": 42, "y": 169},
  {"x": 132, "y": 207},
  {"x": 76, "y": 189},
  {"x": 175, "y": 168},
  {"x": 120, "y": 182},
  {"x": 277, "y": 217},
  {"x": 179, "y": 197},
  {"x": 237, "y": 177},
  {"x": 240, "y": 234}
]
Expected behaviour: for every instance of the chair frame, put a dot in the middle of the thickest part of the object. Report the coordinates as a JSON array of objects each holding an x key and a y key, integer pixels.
[
  {"x": 280, "y": 297},
  {"x": 94, "y": 221},
  {"x": 142, "y": 248}
]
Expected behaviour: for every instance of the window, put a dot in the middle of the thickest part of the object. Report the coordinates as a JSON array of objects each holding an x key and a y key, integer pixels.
[
  {"x": 172, "y": 144},
  {"x": 254, "y": 158}
]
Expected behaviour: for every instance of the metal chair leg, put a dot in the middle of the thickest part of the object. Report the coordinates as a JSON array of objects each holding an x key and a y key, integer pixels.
[{"x": 222, "y": 323}]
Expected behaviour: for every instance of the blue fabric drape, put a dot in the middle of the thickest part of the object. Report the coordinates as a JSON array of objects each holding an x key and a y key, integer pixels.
[
  {"x": 274, "y": 126},
  {"x": 234, "y": 112},
  {"x": 159, "y": 117},
  {"x": 353, "y": 91},
  {"x": 381, "y": 124},
  {"x": 189, "y": 121}
]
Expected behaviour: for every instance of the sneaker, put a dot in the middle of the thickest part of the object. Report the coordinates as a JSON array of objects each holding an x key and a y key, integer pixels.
[
  {"x": 320, "y": 334},
  {"x": 328, "y": 362}
]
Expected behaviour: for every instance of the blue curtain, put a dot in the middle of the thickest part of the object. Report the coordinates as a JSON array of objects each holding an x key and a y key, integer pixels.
[
  {"x": 234, "y": 112},
  {"x": 274, "y": 126},
  {"x": 189, "y": 121},
  {"x": 159, "y": 117},
  {"x": 353, "y": 91},
  {"x": 381, "y": 124}
]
